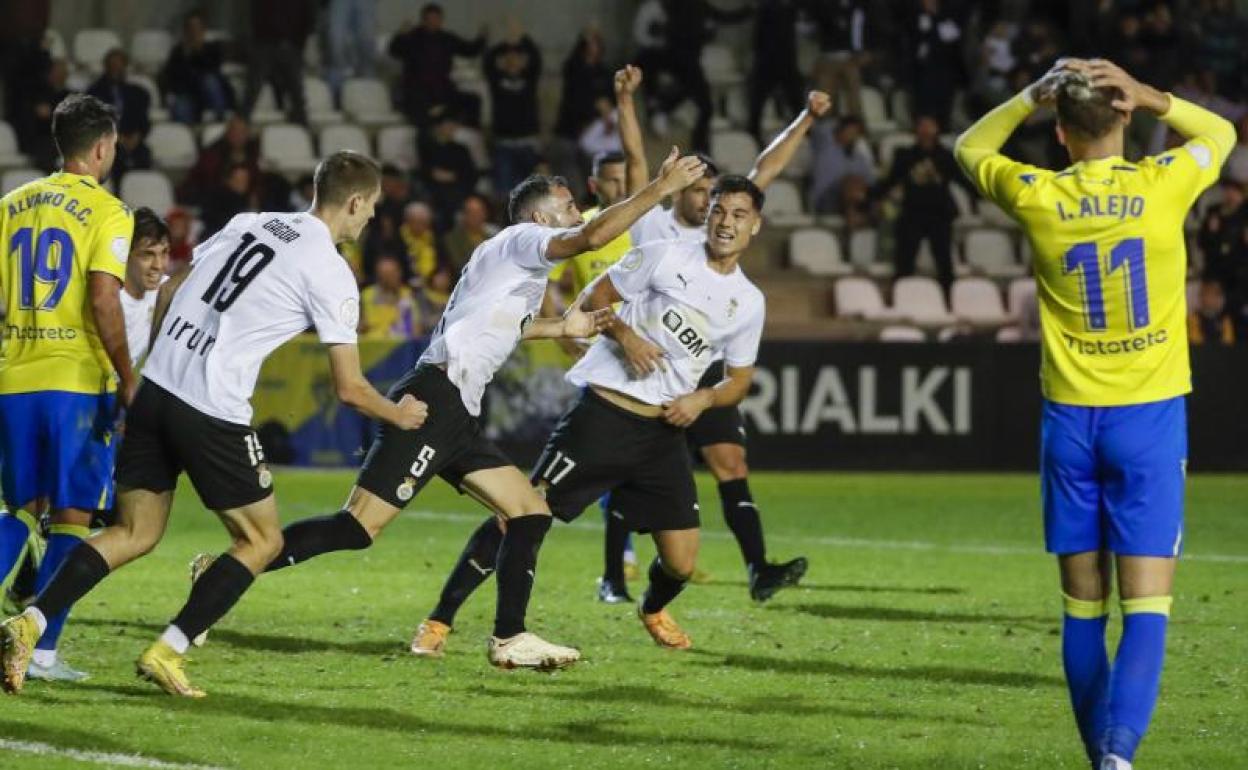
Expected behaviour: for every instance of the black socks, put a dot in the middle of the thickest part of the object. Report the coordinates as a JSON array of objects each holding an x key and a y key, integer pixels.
[
  {"x": 474, "y": 566},
  {"x": 517, "y": 560},
  {"x": 81, "y": 571},
  {"x": 615, "y": 543},
  {"x": 314, "y": 536},
  {"x": 742, "y": 518},
  {"x": 216, "y": 591},
  {"x": 662, "y": 590}
]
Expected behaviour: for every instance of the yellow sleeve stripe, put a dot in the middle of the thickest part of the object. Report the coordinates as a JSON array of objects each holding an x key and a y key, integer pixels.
[
  {"x": 77, "y": 530},
  {"x": 28, "y": 519},
  {"x": 1085, "y": 609},
  {"x": 1159, "y": 605}
]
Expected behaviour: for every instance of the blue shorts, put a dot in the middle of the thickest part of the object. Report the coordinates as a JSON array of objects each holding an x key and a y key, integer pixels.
[
  {"x": 60, "y": 446},
  {"x": 1112, "y": 477}
]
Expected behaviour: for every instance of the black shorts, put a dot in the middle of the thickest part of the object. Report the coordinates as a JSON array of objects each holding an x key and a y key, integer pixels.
[
  {"x": 165, "y": 436},
  {"x": 721, "y": 425},
  {"x": 450, "y": 444},
  {"x": 597, "y": 447}
]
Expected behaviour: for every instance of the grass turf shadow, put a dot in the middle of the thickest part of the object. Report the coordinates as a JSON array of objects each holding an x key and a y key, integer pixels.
[
  {"x": 265, "y": 642},
  {"x": 847, "y": 588},
  {"x": 866, "y": 612}
]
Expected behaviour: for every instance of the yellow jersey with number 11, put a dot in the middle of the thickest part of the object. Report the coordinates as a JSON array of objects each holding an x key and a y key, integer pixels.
[{"x": 55, "y": 231}]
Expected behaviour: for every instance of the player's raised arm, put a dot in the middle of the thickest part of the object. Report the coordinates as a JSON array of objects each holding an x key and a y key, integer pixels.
[
  {"x": 637, "y": 171},
  {"x": 773, "y": 159},
  {"x": 676, "y": 174}
]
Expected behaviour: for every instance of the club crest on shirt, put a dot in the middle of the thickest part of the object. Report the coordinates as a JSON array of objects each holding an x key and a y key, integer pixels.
[
  {"x": 405, "y": 490},
  {"x": 631, "y": 260},
  {"x": 265, "y": 477}
]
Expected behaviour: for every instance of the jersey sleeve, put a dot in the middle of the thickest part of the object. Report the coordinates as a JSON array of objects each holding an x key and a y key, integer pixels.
[
  {"x": 648, "y": 227},
  {"x": 978, "y": 152},
  {"x": 333, "y": 302},
  {"x": 635, "y": 270},
  {"x": 1190, "y": 169},
  {"x": 742, "y": 347},
  {"x": 528, "y": 245},
  {"x": 110, "y": 244}
]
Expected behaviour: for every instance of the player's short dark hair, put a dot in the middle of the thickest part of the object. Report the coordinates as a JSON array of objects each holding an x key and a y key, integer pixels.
[
  {"x": 1084, "y": 111},
  {"x": 429, "y": 8},
  {"x": 80, "y": 121},
  {"x": 528, "y": 194},
  {"x": 606, "y": 158},
  {"x": 148, "y": 226},
  {"x": 735, "y": 183},
  {"x": 343, "y": 174}
]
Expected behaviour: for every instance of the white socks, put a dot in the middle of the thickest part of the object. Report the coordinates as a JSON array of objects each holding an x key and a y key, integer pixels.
[
  {"x": 174, "y": 637},
  {"x": 40, "y": 620},
  {"x": 44, "y": 658}
]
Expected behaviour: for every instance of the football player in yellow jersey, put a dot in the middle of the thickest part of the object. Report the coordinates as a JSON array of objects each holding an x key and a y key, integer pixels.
[
  {"x": 64, "y": 354},
  {"x": 1110, "y": 265}
]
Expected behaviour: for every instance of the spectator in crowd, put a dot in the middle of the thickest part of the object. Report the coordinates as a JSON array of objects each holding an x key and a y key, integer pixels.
[
  {"x": 352, "y": 36},
  {"x": 991, "y": 85},
  {"x": 235, "y": 146},
  {"x": 839, "y": 153},
  {"x": 34, "y": 122},
  {"x": 1035, "y": 46},
  {"x": 279, "y": 31},
  {"x": 433, "y": 295},
  {"x": 427, "y": 53},
  {"x": 774, "y": 71},
  {"x": 1165, "y": 50},
  {"x": 25, "y": 51},
  {"x": 924, "y": 171},
  {"x": 586, "y": 79},
  {"x": 180, "y": 244},
  {"x": 302, "y": 193},
  {"x": 133, "y": 154},
  {"x": 133, "y": 103},
  {"x": 235, "y": 194},
  {"x": 446, "y": 168},
  {"x": 842, "y": 28},
  {"x": 856, "y": 205},
  {"x": 602, "y": 135},
  {"x": 512, "y": 69},
  {"x": 935, "y": 39},
  {"x": 396, "y": 193},
  {"x": 192, "y": 80},
  {"x": 472, "y": 228},
  {"x": 1220, "y": 33},
  {"x": 420, "y": 245},
  {"x": 1210, "y": 322},
  {"x": 1223, "y": 243},
  {"x": 388, "y": 307},
  {"x": 1237, "y": 162}
]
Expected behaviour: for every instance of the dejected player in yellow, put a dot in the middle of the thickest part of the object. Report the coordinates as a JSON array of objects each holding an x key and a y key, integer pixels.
[
  {"x": 1110, "y": 265},
  {"x": 64, "y": 353}
]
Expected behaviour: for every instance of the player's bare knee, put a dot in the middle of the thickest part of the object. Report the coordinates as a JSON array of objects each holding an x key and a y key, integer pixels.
[{"x": 727, "y": 462}]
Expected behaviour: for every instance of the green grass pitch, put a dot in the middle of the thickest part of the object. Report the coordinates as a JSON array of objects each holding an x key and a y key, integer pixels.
[{"x": 925, "y": 635}]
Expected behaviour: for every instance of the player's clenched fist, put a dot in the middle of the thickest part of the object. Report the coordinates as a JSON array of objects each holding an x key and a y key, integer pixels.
[
  {"x": 818, "y": 103},
  {"x": 686, "y": 410},
  {"x": 627, "y": 80},
  {"x": 412, "y": 412}
]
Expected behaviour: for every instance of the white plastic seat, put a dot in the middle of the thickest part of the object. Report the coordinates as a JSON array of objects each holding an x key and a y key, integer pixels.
[
  {"x": 902, "y": 333},
  {"x": 920, "y": 299},
  {"x": 818, "y": 252},
  {"x": 16, "y": 177},
  {"x": 864, "y": 254},
  {"x": 720, "y": 63},
  {"x": 172, "y": 145},
  {"x": 966, "y": 209},
  {"x": 1009, "y": 334},
  {"x": 149, "y": 49},
  {"x": 397, "y": 145},
  {"x": 147, "y": 188},
  {"x": 266, "y": 111},
  {"x": 978, "y": 300},
  {"x": 784, "y": 207},
  {"x": 857, "y": 296},
  {"x": 90, "y": 45},
  {"x": 899, "y": 102},
  {"x": 1020, "y": 294},
  {"x": 344, "y": 137},
  {"x": 156, "y": 110},
  {"x": 319, "y": 102},
  {"x": 874, "y": 113},
  {"x": 888, "y": 146},
  {"x": 54, "y": 44},
  {"x": 367, "y": 101},
  {"x": 10, "y": 156},
  {"x": 288, "y": 147},
  {"x": 210, "y": 132},
  {"x": 991, "y": 252},
  {"x": 733, "y": 151}
]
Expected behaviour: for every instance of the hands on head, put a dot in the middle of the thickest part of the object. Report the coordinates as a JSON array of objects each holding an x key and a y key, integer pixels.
[{"x": 1099, "y": 73}]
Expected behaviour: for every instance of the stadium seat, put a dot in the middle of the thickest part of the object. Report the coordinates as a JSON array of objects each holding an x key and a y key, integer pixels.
[
  {"x": 864, "y": 254},
  {"x": 783, "y": 206},
  {"x": 10, "y": 157},
  {"x": 860, "y": 297},
  {"x": 210, "y": 132},
  {"x": 344, "y": 137},
  {"x": 920, "y": 299},
  {"x": 991, "y": 252},
  {"x": 992, "y": 214},
  {"x": 888, "y": 146},
  {"x": 90, "y": 45},
  {"x": 966, "y": 209},
  {"x": 978, "y": 301},
  {"x": 874, "y": 113},
  {"x": 266, "y": 110},
  {"x": 1020, "y": 293},
  {"x": 899, "y": 102},
  {"x": 368, "y": 102},
  {"x": 147, "y": 188},
  {"x": 1009, "y": 334},
  {"x": 397, "y": 145},
  {"x": 288, "y": 147},
  {"x": 320, "y": 102},
  {"x": 173, "y": 146},
  {"x": 16, "y": 177},
  {"x": 156, "y": 112},
  {"x": 818, "y": 252},
  {"x": 720, "y": 63},
  {"x": 54, "y": 44},
  {"x": 149, "y": 49},
  {"x": 902, "y": 333},
  {"x": 733, "y": 151}
]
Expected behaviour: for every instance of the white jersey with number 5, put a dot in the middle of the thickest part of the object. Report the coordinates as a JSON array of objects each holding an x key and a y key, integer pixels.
[
  {"x": 674, "y": 299},
  {"x": 261, "y": 280},
  {"x": 498, "y": 294}
]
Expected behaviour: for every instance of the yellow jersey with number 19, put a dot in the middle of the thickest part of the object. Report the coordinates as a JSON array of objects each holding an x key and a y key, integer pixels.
[
  {"x": 55, "y": 231},
  {"x": 1109, "y": 254}
]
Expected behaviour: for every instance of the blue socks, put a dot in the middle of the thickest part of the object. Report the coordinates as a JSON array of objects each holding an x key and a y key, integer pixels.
[
  {"x": 15, "y": 528},
  {"x": 1087, "y": 668},
  {"x": 63, "y": 539},
  {"x": 1136, "y": 676}
]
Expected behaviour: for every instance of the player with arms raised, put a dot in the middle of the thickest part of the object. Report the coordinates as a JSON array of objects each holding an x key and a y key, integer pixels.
[{"x": 1110, "y": 263}]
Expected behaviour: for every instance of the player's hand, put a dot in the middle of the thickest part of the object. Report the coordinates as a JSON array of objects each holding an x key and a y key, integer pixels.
[
  {"x": 1102, "y": 73},
  {"x": 126, "y": 390},
  {"x": 643, "y": 356},
  {"x": 677, "y": 173},
  {"x": 685, "y": 410},
  {"x": 1044, "y": 91},
  {"x": 818, "y": 103},
  {"x": 627, "y": 80},
  {"x": 578, "y": 323},
  {"x": 412, "y": 413}
]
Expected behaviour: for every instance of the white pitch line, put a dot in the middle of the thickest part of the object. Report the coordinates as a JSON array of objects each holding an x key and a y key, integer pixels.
[{"x": 96, "y": 757}]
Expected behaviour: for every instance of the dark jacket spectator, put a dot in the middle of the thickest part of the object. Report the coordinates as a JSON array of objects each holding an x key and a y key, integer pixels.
[
  {"x": 279, "y": 30},
  {"x": 512, "y": 69},
  {"x": 427, "y": 53},
  {"x": 934, "y": 37},
  {"x": 235, "y": 146},
  {"x": 234, "y": 195},
  {"x": 133, "y": 103},
  {"x": 774, "y": 68},
  {"x": 34, "y": 120},
  {"x": 447, "y": 169},
  {"x": 1223, "y": 242},
  {"x": 191, "y": 78},
  {"x": 1210, "y": 322},
  {"x": 586, "y": 79},
  {"x": 842, "y": 34}
]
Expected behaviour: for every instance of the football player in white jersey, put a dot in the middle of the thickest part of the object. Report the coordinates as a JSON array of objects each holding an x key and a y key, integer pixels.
[
  {"x": 145, "y": 271},
  {"x": 260, "y": 281},
  {"x": 494, "y": 306}
]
